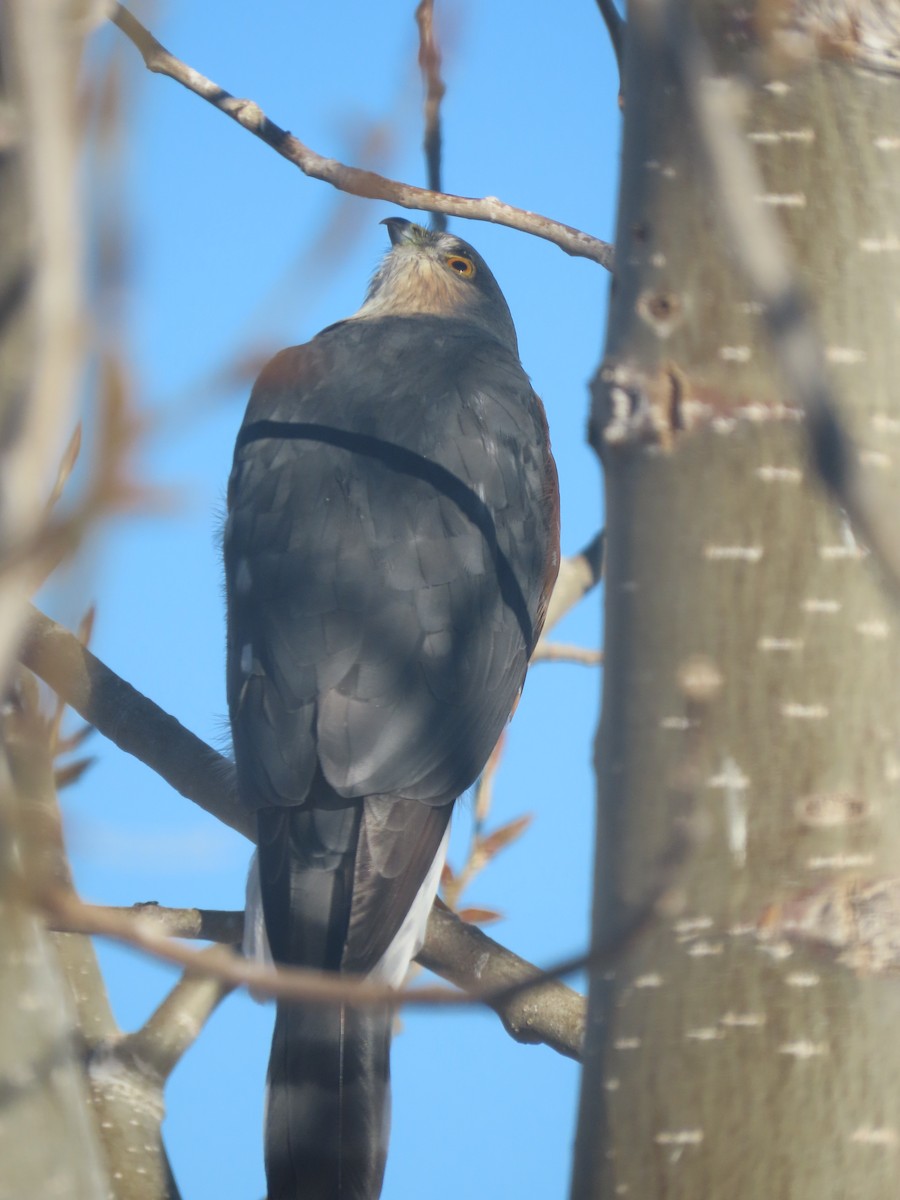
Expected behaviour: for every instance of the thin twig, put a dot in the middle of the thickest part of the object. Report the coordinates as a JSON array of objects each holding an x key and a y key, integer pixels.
[
  {"x": 351, "y": 179},
  {"x": 546, "y": 651},
  {"x": 577, "y": 575},
  {"x": 454, "y": 884},
  {"x": 766, "y": 263},
  {"x": 65, "y": 911},
  {"x": 109, "y": 489},
  {"x": 224, "y": 926},
  {"x": 430, "y": 65}
]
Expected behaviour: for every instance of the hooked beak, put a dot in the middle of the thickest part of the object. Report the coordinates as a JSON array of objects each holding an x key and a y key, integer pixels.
[{"x": 400, "y": 231}]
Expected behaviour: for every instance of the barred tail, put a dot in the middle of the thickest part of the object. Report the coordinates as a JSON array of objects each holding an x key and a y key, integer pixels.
[{"x": 328, "y": 1106}]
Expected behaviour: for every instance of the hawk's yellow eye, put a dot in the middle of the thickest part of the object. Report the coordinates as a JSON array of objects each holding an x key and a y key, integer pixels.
[{"x": 461, "y": 265}]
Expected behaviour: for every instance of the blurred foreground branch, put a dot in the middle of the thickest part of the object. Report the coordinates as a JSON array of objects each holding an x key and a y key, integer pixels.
[{"x": 41, "y": 302}]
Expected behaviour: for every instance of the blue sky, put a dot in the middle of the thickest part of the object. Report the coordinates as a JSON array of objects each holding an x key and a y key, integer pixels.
[{"x": 224, "y": 257}]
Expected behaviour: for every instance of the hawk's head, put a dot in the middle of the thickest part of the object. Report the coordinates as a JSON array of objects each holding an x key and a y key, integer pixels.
[{"x": 437, "y": 274}]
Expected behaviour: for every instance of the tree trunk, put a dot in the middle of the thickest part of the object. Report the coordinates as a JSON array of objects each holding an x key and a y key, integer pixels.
[{"x": 746, "y": 1045}]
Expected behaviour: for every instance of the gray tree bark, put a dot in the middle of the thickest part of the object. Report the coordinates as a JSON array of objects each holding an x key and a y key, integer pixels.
[{"x": 746, "y": 1045}]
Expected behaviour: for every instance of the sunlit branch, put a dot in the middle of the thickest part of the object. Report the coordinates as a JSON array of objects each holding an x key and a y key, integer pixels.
[
  {"x": 555, "y": 1015},
  {"x": 577, "y": 575},
  {"x": 351, "y": 179},
  {"x": 225, "y": 926},
  {"x": 160, "y": 1044},
  {"x": 546, "y": 651}
]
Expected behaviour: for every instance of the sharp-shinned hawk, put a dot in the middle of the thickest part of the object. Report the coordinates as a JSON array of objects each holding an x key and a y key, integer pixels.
[{"x": 391, "y": 543}]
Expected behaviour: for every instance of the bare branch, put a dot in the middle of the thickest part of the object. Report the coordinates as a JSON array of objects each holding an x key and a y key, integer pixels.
[
  {"x": 546, "y": 651},
  {"x": 351, "y": 179},
  {"x": 430, "y": 64},
  {"x": 29, "y": 741},
  {"x": 225, "y": 926},
  {"x": 577, "y": 575},
  {"x": 533, "y": 1006},
  {"x": 553, "y": 1014},
  {"x": 158, "y": 1047},
  {"x": 478, "y": 856},
  {"x": 134, "y": 723}
]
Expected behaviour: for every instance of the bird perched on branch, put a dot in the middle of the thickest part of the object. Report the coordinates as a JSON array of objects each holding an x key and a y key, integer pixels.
[{"x": 391, "y": 543}]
